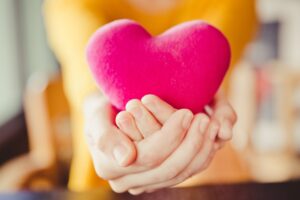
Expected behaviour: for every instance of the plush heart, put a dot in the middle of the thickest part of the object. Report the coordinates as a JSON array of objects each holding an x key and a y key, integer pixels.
[{"x": 184, "y": 66}]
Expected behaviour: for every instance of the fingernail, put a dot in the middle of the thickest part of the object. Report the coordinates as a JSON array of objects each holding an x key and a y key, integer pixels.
[
  {"x": 188, "y": 116},
  {"x": 120, "y": 154}
]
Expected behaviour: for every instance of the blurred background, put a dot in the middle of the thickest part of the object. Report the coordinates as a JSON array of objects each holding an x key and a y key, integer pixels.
[{"x": 265, "y": 90}]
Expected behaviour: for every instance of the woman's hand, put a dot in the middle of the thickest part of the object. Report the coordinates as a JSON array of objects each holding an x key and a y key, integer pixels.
[
  {"x": 148, "y": 159},
  {"x": 223, "y": 118},
  {"x": 142, "y": 118},
  {"x": 170, "y": 145}
]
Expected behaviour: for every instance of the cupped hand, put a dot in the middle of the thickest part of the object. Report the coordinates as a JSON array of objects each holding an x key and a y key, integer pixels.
[
  {"x": 192, "y": 156},
  {"x": 116, "y": 156},
  {"x": 156, "y": 146},
  {"x": 142, "y": 118}
]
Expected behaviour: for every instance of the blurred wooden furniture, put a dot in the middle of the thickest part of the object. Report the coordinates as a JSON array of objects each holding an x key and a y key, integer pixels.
[
  {"x": 266, "y": 135},
  {"x": 12, "y": 132},
  {"x": 47, "y": 118},
  {"x": 288, "y": 95}
]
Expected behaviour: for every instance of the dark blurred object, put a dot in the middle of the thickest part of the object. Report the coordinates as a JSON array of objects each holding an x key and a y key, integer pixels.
[
  {"x": 47, "y": 116},
  {"x": 266, "y": 45},
  {"x": 250, "y": 191},
  {"x": 13, "y": 140}
]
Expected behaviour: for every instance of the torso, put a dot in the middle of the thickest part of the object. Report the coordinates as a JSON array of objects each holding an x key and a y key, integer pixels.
[{"x": 154, "y": 6}]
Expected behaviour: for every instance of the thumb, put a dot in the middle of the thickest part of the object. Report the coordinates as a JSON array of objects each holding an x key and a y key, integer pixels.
[
  {"x": 103, "y": 135},
  {"x": 117, "y": 146}
]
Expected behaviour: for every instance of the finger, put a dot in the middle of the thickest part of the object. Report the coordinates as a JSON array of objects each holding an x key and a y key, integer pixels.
[
  {"x": 144, "y": 120},
  {"x": 126, "y": 123},
  {"x": 198, "y": 164},
  {"x": 152, "y": 151},
  {"x": 194, "y": 169},
  {"x": 156, "y": 148},
  {"x": 115, "y": 145},
  {"x": 222, "y": 110},
  {"x": 213, "y": 129},
  {"x": 214, "y": 126},
  {"x": 219, "y": 141},
  {"x": 225, "y": 132},
  {"x": 176, "y": 163},
  {"x": 159, "y": 108},
  {"x": 208, "y": 109},
  {"x": 226, "y": 117},
  {"x": 225, "y": 125},
  {"x": 102, "y": 134},
  {"x": 118, "y": 152}
]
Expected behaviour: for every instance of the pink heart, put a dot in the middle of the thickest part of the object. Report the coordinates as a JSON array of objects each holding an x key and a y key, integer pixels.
[{"x": 184, "y": 66}]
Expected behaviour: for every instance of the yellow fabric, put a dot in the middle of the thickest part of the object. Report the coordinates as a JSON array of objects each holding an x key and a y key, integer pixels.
[{"x": 70, "y": 23}]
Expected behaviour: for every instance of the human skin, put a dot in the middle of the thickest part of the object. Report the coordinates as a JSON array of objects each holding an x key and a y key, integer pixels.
[{"x": 154, "y": 145}]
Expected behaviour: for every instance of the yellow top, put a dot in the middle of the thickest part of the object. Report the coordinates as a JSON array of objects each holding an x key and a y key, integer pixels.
[{"x": 70, "y": 23}]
